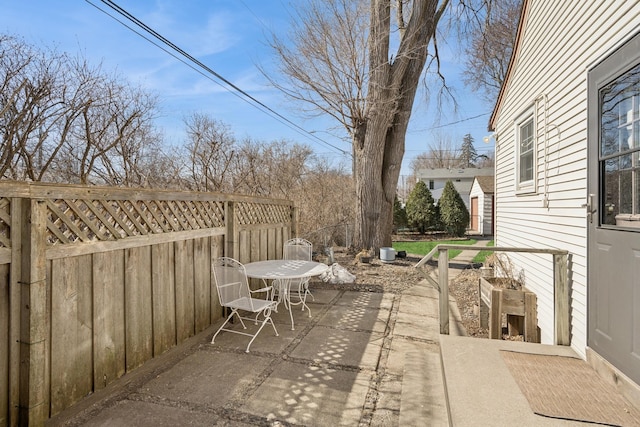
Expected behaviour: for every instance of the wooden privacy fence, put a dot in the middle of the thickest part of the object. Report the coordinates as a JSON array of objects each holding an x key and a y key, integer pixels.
[
  {"x": 96, "y": 281},
  {"x": 562, "y": 308}
]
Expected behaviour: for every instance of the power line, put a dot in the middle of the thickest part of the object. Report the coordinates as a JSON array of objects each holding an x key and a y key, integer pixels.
[
  {"x": 452, "y": 123},
  {"x": 237, "y": 91}
]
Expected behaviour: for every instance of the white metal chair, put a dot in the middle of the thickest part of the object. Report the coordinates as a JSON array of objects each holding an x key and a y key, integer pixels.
[
  {"x": 299, "y": 249},
  {"x": 234, "y": 293}
]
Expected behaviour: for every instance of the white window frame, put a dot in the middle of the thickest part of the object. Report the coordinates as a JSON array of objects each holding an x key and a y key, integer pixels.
[{"x": 526, "y": 186}]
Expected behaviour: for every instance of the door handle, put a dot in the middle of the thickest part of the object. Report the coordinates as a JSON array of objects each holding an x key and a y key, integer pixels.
[{"x": 591, "y": 209}]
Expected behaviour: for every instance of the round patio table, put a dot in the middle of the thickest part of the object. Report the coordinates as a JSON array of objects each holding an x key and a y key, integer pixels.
[{"x": 283, "y": 272}]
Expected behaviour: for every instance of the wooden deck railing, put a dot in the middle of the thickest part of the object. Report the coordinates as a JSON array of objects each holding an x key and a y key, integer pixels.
[
  {"x": 562, "y": 309},
  {"x": 96, "y": 281}
]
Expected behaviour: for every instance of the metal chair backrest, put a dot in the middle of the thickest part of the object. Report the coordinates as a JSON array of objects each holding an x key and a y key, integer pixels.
[
  {"x": 298, "y": 248},
  {"x": 231, "y": 280}
]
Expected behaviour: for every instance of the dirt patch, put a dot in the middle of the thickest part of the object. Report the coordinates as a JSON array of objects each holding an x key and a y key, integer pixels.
[{"x": 464, "y": 288}]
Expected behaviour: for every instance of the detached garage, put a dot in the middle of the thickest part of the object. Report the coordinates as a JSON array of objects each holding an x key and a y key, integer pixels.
[{"x": 481, "y": 205}]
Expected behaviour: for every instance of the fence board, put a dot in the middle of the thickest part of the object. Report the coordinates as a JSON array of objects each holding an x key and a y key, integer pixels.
[
  {"x": 138, "y": 315},
  {"x": 108, "y": 318},
  {"x": 163, "y": 291},
  {"x": 264, "y": 247},
  {"x": 71, "y": 331},
  {"x": 4, "y": 344},
  {"x": 282, "y": 236},
  {"x": 185, "y": 305},
  {"x": 245, "y": 246},
  {"x": 271, "y": 244},
  {"x": 202, "y": 283},
  {"x": 217, "y": 250},
  {"x": 255, "y": 245}
]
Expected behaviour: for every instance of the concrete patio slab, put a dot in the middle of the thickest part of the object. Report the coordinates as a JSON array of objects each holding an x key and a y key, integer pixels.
[
  {"x": 146, "y": 414},
  {"x": 421, "y": 305},
  {"x": 266, "y": 341},
  {"x": 422, "y": 384},
  {"x": 311, "y": 395},
  {"x": 400, "y": 346},
  {"x": 342, "y": 347},
  {"x": 321, "y": 296},
  {"x": 423, "y": 289},
  {"x": 417, "y": 326},
  {"x": 206, "y": 378},
  {"x": 356, "y": 318},
  {"x": 366, "y": 299}
]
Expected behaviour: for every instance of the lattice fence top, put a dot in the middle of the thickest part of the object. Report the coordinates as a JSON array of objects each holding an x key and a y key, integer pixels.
[
  {"x": 76, "y": 214},
  {"x": 77, "y": 220},
  {"x": 248, "y": 213}
]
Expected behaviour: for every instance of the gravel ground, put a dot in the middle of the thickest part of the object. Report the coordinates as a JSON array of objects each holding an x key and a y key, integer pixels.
[{"x": 400, "y": 275}]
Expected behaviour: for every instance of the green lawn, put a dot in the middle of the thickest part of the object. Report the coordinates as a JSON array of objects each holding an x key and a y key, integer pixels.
[
  {"x": 424, "y": 247},
  {"x": 480, "y": 257}
]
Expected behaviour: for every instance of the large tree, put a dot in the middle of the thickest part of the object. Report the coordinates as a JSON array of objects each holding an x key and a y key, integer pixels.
[
  {"x": 490, "y": 46},
  {"x": 342, "y": 59},
  {"x": 468, "y": 153}
]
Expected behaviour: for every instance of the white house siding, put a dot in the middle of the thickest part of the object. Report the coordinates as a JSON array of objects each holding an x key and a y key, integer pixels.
[{"x": 560, "y": 42}]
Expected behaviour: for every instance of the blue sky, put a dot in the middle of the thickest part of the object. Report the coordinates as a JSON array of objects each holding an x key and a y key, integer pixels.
[{"x": 229, "y": 36}]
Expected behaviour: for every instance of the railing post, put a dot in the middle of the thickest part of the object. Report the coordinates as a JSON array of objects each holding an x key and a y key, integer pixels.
[
  {"x": 34, "y": 344},
  {"x": 230, "y": 229},
  {"x": 561, "y": 292},
  {"x": 443, "y": 281}
]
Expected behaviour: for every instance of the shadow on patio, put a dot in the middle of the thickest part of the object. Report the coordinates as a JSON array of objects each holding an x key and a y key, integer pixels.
[{"x": 334, "y": 369}]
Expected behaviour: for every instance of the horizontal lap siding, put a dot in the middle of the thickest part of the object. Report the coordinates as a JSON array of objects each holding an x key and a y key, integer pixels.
[{"x": 560, "y": 42}]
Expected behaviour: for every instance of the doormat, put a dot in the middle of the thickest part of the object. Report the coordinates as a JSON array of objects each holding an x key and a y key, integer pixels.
[{"x": 568, "y": 388}]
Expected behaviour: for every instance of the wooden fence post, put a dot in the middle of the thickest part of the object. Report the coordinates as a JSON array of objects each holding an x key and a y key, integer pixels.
[
  {"x": 443, "y": 281},
  {"x": 230, "y": 229},
  {"x": 34, "y": 346},
  {"x": 562, "y": 307},
  {"x": 15, "y": 305}
]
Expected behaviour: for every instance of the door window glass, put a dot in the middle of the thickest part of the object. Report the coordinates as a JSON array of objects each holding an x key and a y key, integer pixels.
[{"x": 619, "y": 150}]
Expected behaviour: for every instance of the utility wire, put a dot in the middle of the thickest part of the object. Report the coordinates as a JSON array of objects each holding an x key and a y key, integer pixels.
[
  {"x": 237, "y": 91},
  {"x": 451, "y": 123}
]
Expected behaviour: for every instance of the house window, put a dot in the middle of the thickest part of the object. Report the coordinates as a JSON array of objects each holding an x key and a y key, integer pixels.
[
  {"x": 431, "y": 184},
  {"x": 525, "y": 131},
  {"x": 619, "y": 150}
]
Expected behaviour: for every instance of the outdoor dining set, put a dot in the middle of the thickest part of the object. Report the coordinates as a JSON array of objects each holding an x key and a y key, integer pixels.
[{"x": 285, "y": 281}]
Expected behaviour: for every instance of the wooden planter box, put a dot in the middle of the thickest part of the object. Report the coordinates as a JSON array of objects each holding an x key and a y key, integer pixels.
[{"x": 520, "y": 306}]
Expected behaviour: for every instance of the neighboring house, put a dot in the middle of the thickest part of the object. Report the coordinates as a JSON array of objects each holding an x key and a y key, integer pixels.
[
  {"x": 482, "y": 205},
  {"x": 567, "y": 130},
  {"x": 462, "y": 178}
]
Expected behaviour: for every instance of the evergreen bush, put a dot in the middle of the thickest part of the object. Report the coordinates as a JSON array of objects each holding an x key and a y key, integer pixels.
[
  {"x": 454, "y": 215},
  {"x": 421, "y": 212}
]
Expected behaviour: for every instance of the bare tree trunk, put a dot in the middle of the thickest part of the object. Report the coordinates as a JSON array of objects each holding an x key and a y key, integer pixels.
[{"x": 379, "y": 149}]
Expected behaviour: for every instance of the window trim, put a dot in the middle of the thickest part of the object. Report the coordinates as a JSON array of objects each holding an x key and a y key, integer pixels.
[
  {"x": 605, "y": 73},
  {"x": 529, "y": 186}
]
